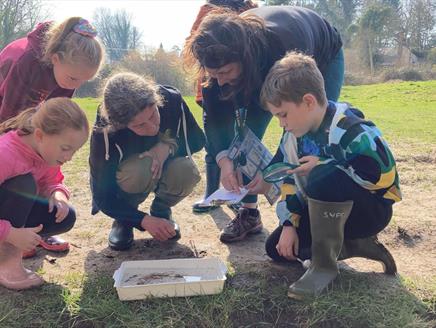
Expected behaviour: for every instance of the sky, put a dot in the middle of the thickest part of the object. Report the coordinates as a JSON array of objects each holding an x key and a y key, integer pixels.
[{"x": 165, "y": 21}]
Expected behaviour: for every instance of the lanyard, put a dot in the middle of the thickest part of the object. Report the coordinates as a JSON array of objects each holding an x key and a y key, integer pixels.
[{"x": 241, "y": 117}]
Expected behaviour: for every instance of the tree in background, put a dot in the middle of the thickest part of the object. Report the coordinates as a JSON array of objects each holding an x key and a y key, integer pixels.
[
  {"x": 375, "y": 30},
  {"x": 117, "y": 32},
  {"x": 420, "y": 19},
  {"x": 164, "y": 67},
  {"x": 17, "y": 18},
  {"x": 371, "y": 26}
]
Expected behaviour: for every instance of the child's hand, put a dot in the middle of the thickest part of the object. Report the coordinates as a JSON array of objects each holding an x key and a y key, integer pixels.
[
  {"x": 25, "y": 239},
  {"x": 288, "y": 243},
  {"x": 60, "y": 201},
  {"x": 307, "y": 164},
  {"x": 258, "y": 185}
]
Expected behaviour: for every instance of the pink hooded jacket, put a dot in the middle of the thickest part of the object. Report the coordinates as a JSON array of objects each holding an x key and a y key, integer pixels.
[
  {"x": 19, "y": 159},
  {"x": 25, "y": 81}
]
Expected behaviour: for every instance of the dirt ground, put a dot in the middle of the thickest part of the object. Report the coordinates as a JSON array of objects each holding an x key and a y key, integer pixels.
[{"x": 410, "y": 237}]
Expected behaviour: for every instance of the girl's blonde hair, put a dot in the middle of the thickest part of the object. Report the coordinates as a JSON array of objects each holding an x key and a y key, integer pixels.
[
  {"x": 52, "y": 117},
  {"x": 72, "y": 47}
]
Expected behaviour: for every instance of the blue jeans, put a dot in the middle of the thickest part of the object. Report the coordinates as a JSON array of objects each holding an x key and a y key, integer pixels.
[{"x": 334, "y": 76}]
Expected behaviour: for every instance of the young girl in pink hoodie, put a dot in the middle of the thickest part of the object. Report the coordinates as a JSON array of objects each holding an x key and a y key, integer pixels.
[
  {"x": 33, "y": 200},
  {"x": 52, "y": 61}
]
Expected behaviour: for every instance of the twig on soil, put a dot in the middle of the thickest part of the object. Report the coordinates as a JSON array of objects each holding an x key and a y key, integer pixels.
[
  {"x": 75, "y": 245},
  {"x": 194, "y": 249}
]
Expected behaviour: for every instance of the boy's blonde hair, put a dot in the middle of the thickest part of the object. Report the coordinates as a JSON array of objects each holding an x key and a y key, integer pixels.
[
  {"x": 291, "y": 78},
  {"x": 52, "y": 117},
  {"x": 72, "y": 47},
  {"x": 125, "y": 95}
]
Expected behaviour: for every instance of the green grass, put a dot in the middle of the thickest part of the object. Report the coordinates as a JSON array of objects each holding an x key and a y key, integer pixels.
[
  {"x": 253, "y": 296},
  {"x": 405, "y": 110}
]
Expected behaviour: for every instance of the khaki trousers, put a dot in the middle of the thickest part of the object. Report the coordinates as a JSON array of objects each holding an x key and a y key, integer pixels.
[{"x": 178, "y": 179}]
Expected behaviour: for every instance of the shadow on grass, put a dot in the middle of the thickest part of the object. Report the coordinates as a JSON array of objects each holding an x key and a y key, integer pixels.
[
  {"x": 251, "y": 249},
  {"x": 252, "y": 297},
  {"x": 256, "y": 297},
  {"x": 50, "y": 305}
]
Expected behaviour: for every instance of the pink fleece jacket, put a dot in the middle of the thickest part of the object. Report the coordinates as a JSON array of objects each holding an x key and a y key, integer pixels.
[
  {"x": 26, "y": 81},
  {"x": 17, "y": 158}
]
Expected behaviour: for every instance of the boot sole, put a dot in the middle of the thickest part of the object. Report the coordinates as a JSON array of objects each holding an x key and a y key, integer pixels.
[
  {"x": 298, "y": 297},
  {"x": 117, "y": 247},
  {"x": 257, "y": 229},
  {"x": 204, "y": 209},
  {"x": 306, "y": 296}
]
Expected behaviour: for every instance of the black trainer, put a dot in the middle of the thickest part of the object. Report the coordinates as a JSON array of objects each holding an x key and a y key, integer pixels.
[
  {"x": 198, "y": 208},
  {"x": 212, "y": 183}
]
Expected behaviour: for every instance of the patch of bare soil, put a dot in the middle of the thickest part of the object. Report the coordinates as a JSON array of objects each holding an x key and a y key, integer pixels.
[{"x": 410, "y": 236}]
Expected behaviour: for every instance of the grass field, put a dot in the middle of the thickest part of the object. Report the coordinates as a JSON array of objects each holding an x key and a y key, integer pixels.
[{"x": 254, "y": 296}]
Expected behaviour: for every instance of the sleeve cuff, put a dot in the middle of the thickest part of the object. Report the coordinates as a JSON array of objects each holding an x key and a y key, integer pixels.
[
  {"x": 61, "y": 188},
  {"x": 283, "y": 214},
  {"x": 221, "y": 155},
  {"x": 5, "y": 227}
]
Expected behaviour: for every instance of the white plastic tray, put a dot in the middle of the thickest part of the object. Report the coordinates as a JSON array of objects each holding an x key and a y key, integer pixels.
[{"x": 136, "y": 280}]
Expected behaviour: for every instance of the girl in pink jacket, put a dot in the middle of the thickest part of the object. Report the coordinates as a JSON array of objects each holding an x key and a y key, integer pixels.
[
  {"x": 33, "y": 200},
  {"x": 52, "y": 61}
]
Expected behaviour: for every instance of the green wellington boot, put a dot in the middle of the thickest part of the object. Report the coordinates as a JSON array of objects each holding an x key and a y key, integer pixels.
[
  {"x": 327, "y": 220},
  {"x": 370, "y": 248}
]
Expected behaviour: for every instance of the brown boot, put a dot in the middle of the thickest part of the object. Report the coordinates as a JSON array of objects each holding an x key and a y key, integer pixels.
[
  {"x": 241, "y": 226},
  {"x": 370, "y": 248},
  {"x": 12, "y": 273}
]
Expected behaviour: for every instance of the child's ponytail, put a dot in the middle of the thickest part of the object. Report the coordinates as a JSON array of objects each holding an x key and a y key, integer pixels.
[
  {"x": 22, "y": 122},
  {"x": 52, "y": 117},
  {"x": 56, "y": 35},
  {"x": 75, "y": 42}
]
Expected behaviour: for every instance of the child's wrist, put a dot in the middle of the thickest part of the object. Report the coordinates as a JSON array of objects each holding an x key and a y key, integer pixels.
[
  {"x": 289, "y": 228},
  {"x": 59, "y": 193},
  {"x": 10, "y": 234}
]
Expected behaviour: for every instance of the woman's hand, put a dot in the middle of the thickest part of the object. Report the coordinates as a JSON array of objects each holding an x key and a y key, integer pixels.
[
  {"x": 258, "y": 185},
  {"x": 307, "y": 164},
  {"x": 231, "y": 179},
  {"x": 60, "y": 201},
  {"x": 159, "y": 154},
  {"x": 25, "y": 239},
  {"x": 159, "y": 228},
  {"x": 288, "y": 243}
]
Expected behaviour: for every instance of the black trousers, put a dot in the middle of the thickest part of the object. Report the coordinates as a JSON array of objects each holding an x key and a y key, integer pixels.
[
  {"x": 369, "y": 214},
  {"x": 20, "y": 205}
]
